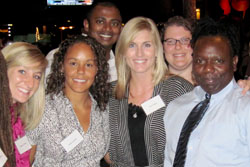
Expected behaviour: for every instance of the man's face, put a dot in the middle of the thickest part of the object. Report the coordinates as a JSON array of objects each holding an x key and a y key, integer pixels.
[
  {"x": 213, "y": 66},
  {"x": 104, "y": 25}
]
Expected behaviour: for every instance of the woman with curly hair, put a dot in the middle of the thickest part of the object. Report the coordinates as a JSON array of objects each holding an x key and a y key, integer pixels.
[
  {"x": 25, "y": 70},
  {"x": 74, "y": 129}
]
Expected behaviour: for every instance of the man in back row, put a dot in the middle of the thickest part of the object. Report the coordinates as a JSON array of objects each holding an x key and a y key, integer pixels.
[
  {"x": 217, "y": 131},
  {"x": 104, "y": 23}
]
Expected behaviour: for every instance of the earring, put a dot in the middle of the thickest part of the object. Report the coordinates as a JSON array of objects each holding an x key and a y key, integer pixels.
[{"x": 61, "y": 74}]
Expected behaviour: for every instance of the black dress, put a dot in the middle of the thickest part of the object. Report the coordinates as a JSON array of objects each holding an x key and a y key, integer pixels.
[{"x": 136, "y": 122}]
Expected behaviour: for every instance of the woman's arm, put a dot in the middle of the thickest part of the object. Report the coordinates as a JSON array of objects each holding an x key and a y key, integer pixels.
[
  {"x": 32, "y": 154},
  {"x": 107, "y": 158},
  {"x": 245, "y": 85}
]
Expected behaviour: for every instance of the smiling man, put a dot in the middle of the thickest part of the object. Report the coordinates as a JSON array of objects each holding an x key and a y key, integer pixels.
[
  {"x": 104, "y": 23},
  {"x": 220, "y": 135}
]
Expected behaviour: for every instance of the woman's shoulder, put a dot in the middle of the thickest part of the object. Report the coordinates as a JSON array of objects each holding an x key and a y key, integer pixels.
[
  {"x": 177, "y": 80},
  {"x": 176, "y": 85},
  {"x": 55, "y": 102}
]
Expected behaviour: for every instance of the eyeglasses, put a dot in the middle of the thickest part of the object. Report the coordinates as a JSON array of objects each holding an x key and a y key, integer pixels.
[{"x": 171, "y": 41}]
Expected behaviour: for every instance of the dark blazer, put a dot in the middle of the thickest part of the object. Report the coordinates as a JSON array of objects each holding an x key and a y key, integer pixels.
[{"x": 154, "y": 134}]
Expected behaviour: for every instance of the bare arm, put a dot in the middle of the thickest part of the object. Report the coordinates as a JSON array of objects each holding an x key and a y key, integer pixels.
[
  {"x": 32, "y": 154},
  {"x": 107, "y": 158}
]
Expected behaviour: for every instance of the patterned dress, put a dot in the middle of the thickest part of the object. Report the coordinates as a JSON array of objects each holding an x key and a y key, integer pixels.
[{"x": 58, "y": 122}]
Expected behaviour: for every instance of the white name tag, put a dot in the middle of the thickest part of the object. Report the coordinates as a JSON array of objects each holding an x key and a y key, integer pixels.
[
  {"x": 22, "y": 144},
  {"x": 70, "y": 142},
  {"x": 152, "y": 105},
  {"x": 3, "y": 158}
]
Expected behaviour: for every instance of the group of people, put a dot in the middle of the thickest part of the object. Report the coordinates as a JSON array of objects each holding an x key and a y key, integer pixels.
[{"x": 132, "y": 107}]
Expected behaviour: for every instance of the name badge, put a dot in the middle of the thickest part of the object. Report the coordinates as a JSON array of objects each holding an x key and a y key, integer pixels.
[
  {"x": 152, "y": 105},
  {"x": 3, "y": 158},
  {"x": 22, "y": 144},
  {"x": 70, "y": 142}
]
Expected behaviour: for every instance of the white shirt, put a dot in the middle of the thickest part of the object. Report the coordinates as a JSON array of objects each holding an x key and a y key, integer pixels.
[{"x": 222, "y": 138}]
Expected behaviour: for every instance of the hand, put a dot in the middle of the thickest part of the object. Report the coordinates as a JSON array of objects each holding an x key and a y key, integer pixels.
[{"x": 245, "y": 85}]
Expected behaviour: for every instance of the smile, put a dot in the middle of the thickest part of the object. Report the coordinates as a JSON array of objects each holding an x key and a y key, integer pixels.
[
  {"x": 80, "y": 80},
  {"x": 23, "y": 90},
  {"x": 105, "y": 36},
  {"x": 140, "y": 61},
  {"x": 179, "y": 55}
]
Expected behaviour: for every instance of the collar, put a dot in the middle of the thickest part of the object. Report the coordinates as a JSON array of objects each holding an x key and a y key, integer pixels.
[{"x": 200, "y": 93}]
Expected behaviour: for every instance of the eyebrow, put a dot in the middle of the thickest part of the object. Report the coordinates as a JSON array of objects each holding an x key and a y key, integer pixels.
[{"x": 104, "y": 18}]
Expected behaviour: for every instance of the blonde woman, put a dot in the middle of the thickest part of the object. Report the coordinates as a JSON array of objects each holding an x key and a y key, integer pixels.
[
  {"x": 25, "y": 69},
  {"x": 137, "y": 130}
]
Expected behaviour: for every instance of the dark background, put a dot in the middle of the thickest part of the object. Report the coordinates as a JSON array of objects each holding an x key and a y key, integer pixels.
[{"x": 27, "y": 14}]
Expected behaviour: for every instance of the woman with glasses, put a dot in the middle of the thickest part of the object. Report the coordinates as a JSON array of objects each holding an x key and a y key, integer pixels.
[{"x": 176, "y": 36}]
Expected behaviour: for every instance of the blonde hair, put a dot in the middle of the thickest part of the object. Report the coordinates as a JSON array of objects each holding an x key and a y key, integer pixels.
[
  {"x": 128, "y": 34},
  {"x": 22, "y": 54}
]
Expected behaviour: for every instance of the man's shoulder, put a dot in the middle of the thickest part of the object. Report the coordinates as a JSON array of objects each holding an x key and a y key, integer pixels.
[{"x": 237, "y": 96}]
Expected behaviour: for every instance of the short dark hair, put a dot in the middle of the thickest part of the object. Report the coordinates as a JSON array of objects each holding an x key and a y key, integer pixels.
[
  {"x": 104, "y": 3},
  {"x": 224, "y": 28},
  {"x": 177, "y": 21}
]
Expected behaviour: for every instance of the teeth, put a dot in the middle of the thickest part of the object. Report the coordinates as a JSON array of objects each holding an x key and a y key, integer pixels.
[
  {"x": 105, "y": 36},
  {"x": 179, "y": 55},
  {"x": 139, "y": 61},
  {"x": 79, "y": 80},
  {"x": 23, "y": 90}
]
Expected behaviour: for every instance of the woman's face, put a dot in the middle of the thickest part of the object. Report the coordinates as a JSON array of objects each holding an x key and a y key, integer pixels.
[
  {"x": 24, "y": 81},
  {"x": 178, "y": 56},
  {"x": 140, "y": 54},
  {"x": 79, "y": 68}
]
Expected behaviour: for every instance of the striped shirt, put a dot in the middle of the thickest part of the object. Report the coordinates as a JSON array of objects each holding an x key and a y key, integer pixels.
[{"x": 154, "y": 134}]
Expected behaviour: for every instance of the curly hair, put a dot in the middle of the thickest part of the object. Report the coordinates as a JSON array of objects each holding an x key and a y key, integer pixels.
[
  {"x": 6, "y": 141},
  {"x": 223, "y": 27},
  {"x": 100, "y": 88}
]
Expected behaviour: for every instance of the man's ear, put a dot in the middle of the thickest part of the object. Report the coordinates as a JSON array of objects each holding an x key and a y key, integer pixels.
[
  {"x": 235, "y": 62},
  {"x": 86, "y": 25}
]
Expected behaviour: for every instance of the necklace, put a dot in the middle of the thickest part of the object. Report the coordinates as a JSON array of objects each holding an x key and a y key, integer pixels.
[{"x": 135, "y": 110}]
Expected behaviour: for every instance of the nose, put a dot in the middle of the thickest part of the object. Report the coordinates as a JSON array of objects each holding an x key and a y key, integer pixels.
[
  {"x": 178, "y": 45},
  {"x": 139, "y": 51},
  {"x": 209, "y": 67},
  {"x": 107, "y": 27},
  {"x": 29, "y": 82},
  {"x": 81, "y": 69}
]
